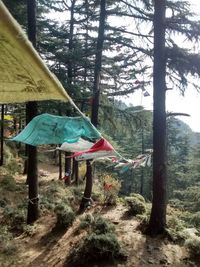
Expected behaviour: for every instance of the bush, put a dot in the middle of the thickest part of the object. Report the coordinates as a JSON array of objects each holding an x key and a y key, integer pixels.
[
  {"x": 65, "y": 216},
  {"x": 86, "y": 221},
  {"x": 95, "y": 248},
  {"x": 15, "y": 218},
  {"x": 136, "y": 204},
  {"x": 138, "y": 196},
  {"x": 176, "y": 229},
  {"x": 193, "y": 244},
  {"x": 8, "y": 183},
  {"x": 101, "y": 246},
  {"x": 101, "y": 243},
  {"x": 9, "y": 249},
  {"x": 195, "y": 219},
  {"x": 102, "y": 226},
  {"x": 111, "y": 189}
]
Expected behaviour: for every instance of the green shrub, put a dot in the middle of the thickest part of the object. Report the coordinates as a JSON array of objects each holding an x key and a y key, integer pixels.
[
  {"x": 101, "y": 246},
  {"x": 136, "y": 204},
  {"x": 65, "y": 216},
  {"x": 3, "y": 203},
  {"x": 176, "y": 229},
  {"x": 193, "y": 244},
  {"x": 15, "y": 218},
  {"x": 8, "y": 183},
  {"x": 101, "y": 243},
  {"x": 176, "y": 203},
  {"x": 138, "y": 196},
  {"x": 9, "y": 249},
  {"x": 195, "y": 219},
  {"x": 111, "y": 188},
  {"x": 46, "y": 204},
  {"x": 97, "y": 194},
  {"x": 78, "y": 192},
  {"x": 95, "y": 248},
  {"x": 102, "y": 226},
  {"x": 86, "y": 221}
]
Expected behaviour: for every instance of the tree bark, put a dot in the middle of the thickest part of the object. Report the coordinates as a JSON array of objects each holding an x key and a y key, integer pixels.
[
  {"x": 60, "y": 164},
  {"x": 68, "y": 168},
  {"x": 98, "y": 63},
  {"x": 86, "y": 200},
  {"x": 70, "y": 75},
  {"x": 2, "y": 134},
  {"x": 95, "y": 103},
  {"x": 76, "y": 172},
  {"x": 142, "y": 170},
  {"x": 157, "y": 221},
  {"x": 31, "y": 109}
]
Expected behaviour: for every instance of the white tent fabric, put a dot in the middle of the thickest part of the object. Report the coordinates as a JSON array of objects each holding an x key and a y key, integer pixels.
[
  {"x": 80, "y": 145},
  {"x": 23, "y": 74},
  {"x": 96, "y": 155}
]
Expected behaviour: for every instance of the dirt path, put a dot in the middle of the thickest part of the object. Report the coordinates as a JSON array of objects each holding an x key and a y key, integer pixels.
[{"x": 49, "y": 249}]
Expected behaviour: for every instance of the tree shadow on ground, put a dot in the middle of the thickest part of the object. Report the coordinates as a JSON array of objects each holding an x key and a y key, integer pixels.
[
  {"x": 48, "y": 241},
  {"x": 126, "y": 216}
]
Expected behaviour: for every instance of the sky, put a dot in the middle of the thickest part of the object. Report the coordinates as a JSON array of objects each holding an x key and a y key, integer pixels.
[{"x": 175, "y": 102}]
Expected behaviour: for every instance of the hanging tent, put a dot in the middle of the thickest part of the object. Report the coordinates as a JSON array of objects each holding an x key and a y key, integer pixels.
[
  {"x": 23, "y": 75},
  {"x": 51, "y": 129},
  {"x": 80, "y": 145},
  {"x": 101, "y": 149}
]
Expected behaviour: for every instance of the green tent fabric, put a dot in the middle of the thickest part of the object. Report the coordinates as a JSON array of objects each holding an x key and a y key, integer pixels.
[{"x": 50, "y": 129}]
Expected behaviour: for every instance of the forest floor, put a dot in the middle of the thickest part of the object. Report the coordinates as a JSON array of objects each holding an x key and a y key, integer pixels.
[{"x": 47, "y": 248}]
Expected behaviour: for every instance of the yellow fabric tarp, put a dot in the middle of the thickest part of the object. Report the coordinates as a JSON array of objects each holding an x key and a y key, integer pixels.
[{"x": 23, "y": 75}]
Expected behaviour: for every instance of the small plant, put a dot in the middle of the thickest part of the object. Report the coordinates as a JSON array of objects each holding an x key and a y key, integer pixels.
[
  {"x": 111, "y": 187},
  {"x": 136, "y": 204},
  {"x": 78, "y": 192},
  {"x": 176, "y": 229},
  {"x": 86, "y": 221},
  {"x": 9, "y": 249},
  {"x": 65, "y": 216},
  {"x": 46, "y": 204},
  {"x": 100, "y": 244},
  {"x": 195, "y": 219},
  {"x": 95, "y": 248},
  {"x": 102, "y": 226},
  {"x": 30, "y": 230},
  {"x": 193, "y": 244},
  {"x": 3, "y": 203},
  {"x": 138, "y": 196},
  {"x": 8, "y": 183},
  {"x": 15, "y": 218}
]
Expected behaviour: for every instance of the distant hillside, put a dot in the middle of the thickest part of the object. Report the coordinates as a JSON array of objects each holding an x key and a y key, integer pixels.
[{"x": 185, "y": 130}]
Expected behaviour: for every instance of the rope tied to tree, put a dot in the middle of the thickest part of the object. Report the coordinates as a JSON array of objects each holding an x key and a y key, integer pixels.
[
  {"x": 87, "y": 198},
  {"x": 34, "y": 200}
]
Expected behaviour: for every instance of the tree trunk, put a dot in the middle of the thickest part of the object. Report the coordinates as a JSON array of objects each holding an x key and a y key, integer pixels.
[
  {"x": 70, "y": 74},
  {"x": 95, "y": 103},
  {"x": 68, "y": 168},
  {"x": 2, "y": 133},
  {"x": 98, "y": 63},
  {"x": 142, "y": 170},
  {"x": 31, "y": 109},
  {"x": 76, "y": 172},
  {"x": 60, "y": 153},
  {"x": 86, "y": 200},
  {"x": 60, "y": 164},
  {"x": 157, "y": 221}
]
